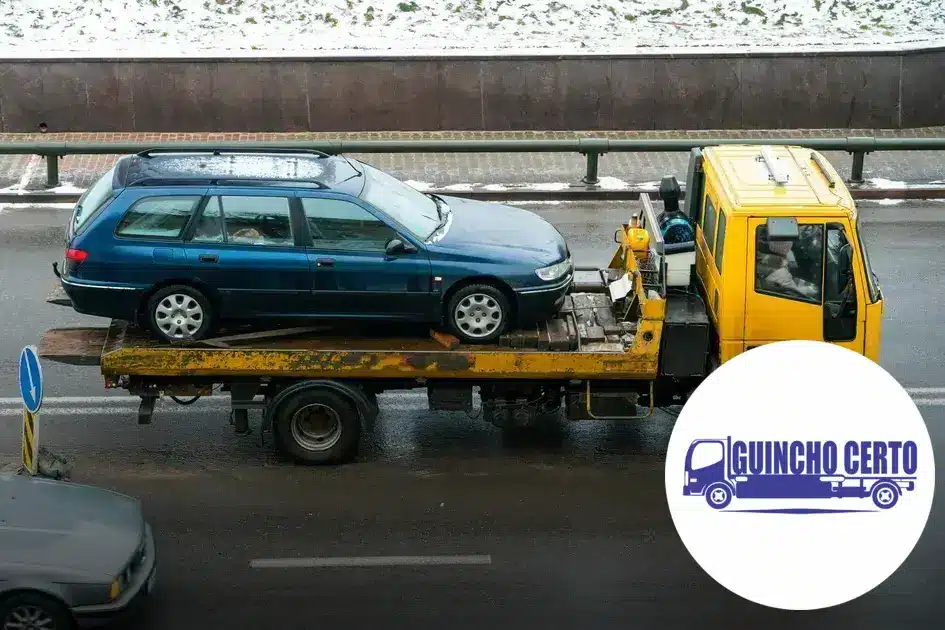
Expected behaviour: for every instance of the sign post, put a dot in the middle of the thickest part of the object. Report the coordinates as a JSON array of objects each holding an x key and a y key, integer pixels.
[{"x": 31, "y": 391}]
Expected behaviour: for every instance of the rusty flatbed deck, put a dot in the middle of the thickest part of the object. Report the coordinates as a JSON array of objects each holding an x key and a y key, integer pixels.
[{"x": 348, "y": 352}]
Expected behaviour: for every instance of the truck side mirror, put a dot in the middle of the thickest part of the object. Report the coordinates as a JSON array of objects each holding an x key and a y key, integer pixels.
[
  {"x": 782, "y": 229},
  {"x": 845, "y": 264}
]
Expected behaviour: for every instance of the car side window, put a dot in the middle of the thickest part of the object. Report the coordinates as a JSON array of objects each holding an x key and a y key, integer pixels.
[
  {"x": 209, "y": 228},
  {"x": 343, "y": 225},
  {"x": 249, "y": 220},
  {"x": 158, "y": 217},
  {"x": 791, "y": 269}
]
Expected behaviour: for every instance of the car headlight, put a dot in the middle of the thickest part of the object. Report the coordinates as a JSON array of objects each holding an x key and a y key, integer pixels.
[{"x": 554, "y": 271}]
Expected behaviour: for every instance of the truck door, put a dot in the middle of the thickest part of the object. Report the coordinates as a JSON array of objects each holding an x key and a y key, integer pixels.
[{"x": 802, "y": 288}]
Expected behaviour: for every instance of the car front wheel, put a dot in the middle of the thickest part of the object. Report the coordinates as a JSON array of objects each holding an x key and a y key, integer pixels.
[
  {"x": 34, "y": 610},
  {"x": 478, "y": 313},
  {"x": 179, "y": 313}
]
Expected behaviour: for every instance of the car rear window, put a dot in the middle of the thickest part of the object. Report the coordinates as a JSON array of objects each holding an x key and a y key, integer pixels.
[
  {"x": 92, "y": 200},
  {"x": 158, "y": 217}
]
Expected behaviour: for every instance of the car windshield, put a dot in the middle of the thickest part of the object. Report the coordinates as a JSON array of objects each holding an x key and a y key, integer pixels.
[
  {"x": 408, "y": 206},
  {"x": 871, "y": 278},
  {"x": 92, "y": 199}
]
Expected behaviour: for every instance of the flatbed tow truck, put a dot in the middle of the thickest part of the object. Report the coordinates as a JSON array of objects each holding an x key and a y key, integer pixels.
[{"x": 636, "y": 336}]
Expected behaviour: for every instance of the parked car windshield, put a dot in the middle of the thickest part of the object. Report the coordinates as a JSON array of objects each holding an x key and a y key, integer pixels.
[{"x": 405, "y": 204}]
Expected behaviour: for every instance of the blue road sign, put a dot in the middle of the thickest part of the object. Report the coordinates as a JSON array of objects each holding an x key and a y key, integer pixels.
[{"x": 31, "y": 380}]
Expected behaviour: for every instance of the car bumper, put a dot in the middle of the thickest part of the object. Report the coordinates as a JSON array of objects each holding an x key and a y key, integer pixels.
[
  {"x": 102, "y": 300},
  {"x": 540, "y": 303},
  {"x": 129, "y": 602}
]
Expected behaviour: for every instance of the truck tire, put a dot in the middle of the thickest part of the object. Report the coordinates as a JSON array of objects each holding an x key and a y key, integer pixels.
[
  {"x": 885, "y": 495},
  {"x": 318, "y": 426},
  {"x": 718, "y": 495}
]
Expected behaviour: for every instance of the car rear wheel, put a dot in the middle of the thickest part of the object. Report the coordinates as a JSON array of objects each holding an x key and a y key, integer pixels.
[
  {"x": 478, "y": 313},
  {"x": 34, "y": 611},
  {"x": 179, "y": 313}
]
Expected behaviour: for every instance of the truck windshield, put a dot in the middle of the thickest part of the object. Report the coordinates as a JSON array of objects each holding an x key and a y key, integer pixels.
[
  {"x": 92, "y": 200},
  {"x": 405, "y": 204},
  {"x": 872, "y": 280}
]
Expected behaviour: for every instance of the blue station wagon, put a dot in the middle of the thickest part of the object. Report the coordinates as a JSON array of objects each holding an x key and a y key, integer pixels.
[{"x": 182, "y": 241}]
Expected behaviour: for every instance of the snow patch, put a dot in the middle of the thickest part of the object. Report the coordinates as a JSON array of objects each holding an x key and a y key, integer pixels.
[
  {"x": 421, "y": 186},
  {"x": 228, "y": 28},
  {"x": 886, "y": 184}
]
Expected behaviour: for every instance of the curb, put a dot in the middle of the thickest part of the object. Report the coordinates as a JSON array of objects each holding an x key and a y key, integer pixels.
[{"x": 522, "y": 194}]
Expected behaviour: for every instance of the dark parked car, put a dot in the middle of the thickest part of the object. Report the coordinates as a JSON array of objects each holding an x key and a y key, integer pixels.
[
  {"x": 70, "y": 555},
  {"x": 182, "y": 241}
]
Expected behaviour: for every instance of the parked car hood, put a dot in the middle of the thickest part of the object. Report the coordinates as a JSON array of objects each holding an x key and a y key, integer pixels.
[
  {"x": 513, "y": 232},
  {"x": 82, "y": 529}
]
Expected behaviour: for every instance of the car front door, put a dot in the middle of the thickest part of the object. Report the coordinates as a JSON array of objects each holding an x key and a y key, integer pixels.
[
  {"x": 245, "y": 245},
  {"x": 353, "y": 274}
]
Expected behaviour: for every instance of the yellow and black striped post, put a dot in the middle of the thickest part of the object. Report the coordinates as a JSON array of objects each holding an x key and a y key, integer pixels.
[{"x": 30, "y": 441}]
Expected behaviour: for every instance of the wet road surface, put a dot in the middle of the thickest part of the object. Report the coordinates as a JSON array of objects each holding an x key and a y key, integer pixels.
[{"x": 571, "y": 531}]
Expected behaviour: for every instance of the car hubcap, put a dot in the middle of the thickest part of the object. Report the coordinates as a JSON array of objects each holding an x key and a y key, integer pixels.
[
  {"x": 478, "y": 315},
  {"x": 178, "y": 316},
  {"x": 28, "y": 618},
  {"x": 718, "y": 496},
  {"x": 885, "y": 496},
  {"x": 316, "y": 427}
]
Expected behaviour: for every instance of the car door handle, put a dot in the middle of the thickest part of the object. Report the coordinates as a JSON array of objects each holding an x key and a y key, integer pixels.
[
  {"x": 324, "y": 262},
  {"x": 209, "y": 258}
]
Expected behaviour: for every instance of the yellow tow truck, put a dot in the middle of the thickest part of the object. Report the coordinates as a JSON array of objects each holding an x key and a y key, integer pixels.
[{"x": 764, "y": 247}]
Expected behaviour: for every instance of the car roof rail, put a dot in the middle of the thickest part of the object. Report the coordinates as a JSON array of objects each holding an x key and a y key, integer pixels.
[
  {"x": 220, "y": 151},
  {"x": 225, "y": 181}
]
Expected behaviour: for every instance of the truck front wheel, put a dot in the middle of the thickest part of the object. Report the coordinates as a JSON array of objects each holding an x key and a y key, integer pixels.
[
  {"x": 885, "y": 495},
  {"x": 718, "y": 495},
  {"x": 318, "y": 426}
]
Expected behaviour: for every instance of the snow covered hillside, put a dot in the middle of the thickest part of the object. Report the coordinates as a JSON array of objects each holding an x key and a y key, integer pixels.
[{"x": 308, "y": 27}]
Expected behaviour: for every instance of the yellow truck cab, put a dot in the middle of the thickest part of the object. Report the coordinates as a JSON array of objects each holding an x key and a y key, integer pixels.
[{"x": 778, "y": 250}]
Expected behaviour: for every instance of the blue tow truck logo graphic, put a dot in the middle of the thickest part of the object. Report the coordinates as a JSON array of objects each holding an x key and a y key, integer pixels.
[{"x": 721, "y": 470}]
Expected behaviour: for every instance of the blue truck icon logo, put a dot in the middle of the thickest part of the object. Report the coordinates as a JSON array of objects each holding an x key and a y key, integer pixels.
[{"x": 724, "y": 469}]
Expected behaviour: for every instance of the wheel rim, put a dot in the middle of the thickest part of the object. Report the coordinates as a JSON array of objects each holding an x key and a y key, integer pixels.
[
  {"x": 316, "y": 427},
  {"x": 478, "y": 315},
  {"x": 884, "y": 496},
  {"x": 178, "y": 316},
  {"x": 718, "y": 496},
  {"x": 29, "y": 617}
]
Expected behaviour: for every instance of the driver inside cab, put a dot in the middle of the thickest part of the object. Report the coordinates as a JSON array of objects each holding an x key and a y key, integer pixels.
[{"x": 775, "y": 270}]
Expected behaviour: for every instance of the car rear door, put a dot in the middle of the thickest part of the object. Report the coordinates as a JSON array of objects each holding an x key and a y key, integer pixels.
[
  {"x": 353, "y": 276},
  {"x": 246, "y": 245}
]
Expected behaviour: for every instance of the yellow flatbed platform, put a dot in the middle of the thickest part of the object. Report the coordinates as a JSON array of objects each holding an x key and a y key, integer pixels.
[{"x": 350, "y": 352}]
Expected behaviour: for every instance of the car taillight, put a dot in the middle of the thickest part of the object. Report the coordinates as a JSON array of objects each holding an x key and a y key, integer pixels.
[{"x": 76, "y": 255}]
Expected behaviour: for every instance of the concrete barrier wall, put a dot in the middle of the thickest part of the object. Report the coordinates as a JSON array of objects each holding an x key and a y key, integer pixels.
[{"x": 878, "y": 89}]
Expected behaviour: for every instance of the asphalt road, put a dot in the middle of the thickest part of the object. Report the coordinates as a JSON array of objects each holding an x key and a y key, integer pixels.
[{"x": 569, "y": 532}]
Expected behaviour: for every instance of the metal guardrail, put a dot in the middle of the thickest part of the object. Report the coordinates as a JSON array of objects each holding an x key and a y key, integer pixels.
[{"x": 591, "y": 148}]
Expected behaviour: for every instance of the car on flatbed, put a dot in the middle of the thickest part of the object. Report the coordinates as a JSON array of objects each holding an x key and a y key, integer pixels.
[
  {"x": 71, "y": 555},
  {"x": 182, "y": 241}
]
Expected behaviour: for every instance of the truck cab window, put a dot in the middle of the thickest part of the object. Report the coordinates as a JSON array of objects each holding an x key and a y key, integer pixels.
[
  {"x": 707, "y": 454},
  {"x": 840, "y": 303},
  {"x": 791, "y": 269}
]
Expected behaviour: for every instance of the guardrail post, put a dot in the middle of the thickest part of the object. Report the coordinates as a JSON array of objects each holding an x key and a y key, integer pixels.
[
  {"x": 590, "y": 177},
  {"x": 856, "y": 174},
  {"x": 859, "y": 147},
  {"x": 52, "y": 171},
  {"x": 592, "y": 148}
]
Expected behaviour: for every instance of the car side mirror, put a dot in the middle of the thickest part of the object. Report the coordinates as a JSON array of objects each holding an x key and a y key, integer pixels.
[{"x": 397, "y": 246}]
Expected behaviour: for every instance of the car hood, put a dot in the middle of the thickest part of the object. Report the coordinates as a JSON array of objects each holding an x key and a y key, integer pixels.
[
  {"x": 82, "y": 529},
  {"x": 483, "y": 227}
]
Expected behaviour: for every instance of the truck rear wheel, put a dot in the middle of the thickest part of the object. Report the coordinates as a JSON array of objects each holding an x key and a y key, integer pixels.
[
  {"x": 885, "y": 495},
  {"x": 318, "y": 426}
]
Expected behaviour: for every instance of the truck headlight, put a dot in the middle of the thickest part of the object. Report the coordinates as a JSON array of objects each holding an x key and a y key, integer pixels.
[{"x": 554, "y": 271}]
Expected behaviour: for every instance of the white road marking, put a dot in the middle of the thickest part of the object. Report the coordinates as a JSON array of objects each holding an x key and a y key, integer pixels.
[{"x": 368, "y": 561}]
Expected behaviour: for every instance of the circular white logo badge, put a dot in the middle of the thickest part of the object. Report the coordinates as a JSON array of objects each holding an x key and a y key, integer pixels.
[{"x": 800, "y": 475}]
